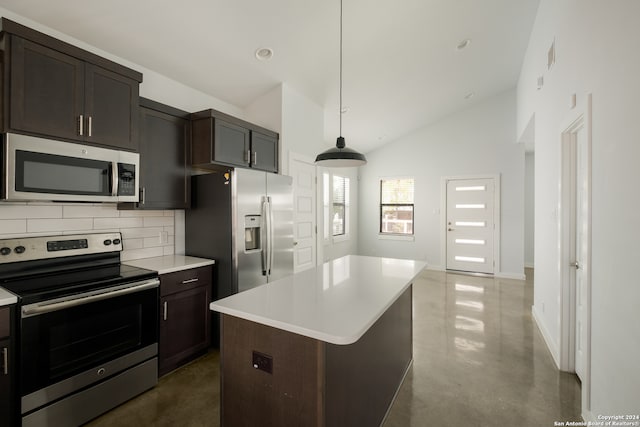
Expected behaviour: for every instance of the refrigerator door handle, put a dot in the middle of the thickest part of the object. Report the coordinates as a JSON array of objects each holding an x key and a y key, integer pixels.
[
  {"x": 264, "y": 236},
  {"x": 270, "y": 231},
  {"x": 270, "y": 236}
]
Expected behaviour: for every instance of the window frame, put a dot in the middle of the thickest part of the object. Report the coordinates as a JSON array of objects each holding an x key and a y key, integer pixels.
[
  {"x": 382, "y": 205},
  {"x": 328, "y": 207}
]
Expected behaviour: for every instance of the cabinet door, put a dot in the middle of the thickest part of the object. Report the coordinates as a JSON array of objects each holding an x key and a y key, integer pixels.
[
  {"x": 264, "y": 152},
  {"x": 164, "y": 146},
  {"x": 230, "y": 144},
  {"x": 111, "y": 108},
  {"x": 46, "y": 91},
  {"x": 5, "y": 381},
  {"x": 6, "y": 358},
  {"x": 184, "y": 327}
]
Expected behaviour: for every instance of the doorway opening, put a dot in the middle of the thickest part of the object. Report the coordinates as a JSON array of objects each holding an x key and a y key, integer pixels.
[{"x": 575, "y": 236}]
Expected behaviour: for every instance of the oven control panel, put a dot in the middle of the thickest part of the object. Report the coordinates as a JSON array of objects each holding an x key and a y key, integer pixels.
[
  {"x": 65, "y": 245},
  {"x": 33, "y": 248}
]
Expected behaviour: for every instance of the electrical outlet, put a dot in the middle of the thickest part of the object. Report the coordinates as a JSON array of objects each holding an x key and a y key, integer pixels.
[
  {"x": 163, "y": 237},
  {"x": 262, "y": 362}
]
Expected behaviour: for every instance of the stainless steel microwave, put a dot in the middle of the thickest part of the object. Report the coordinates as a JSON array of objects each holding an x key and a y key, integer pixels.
[{"x": 48, "y": 170}]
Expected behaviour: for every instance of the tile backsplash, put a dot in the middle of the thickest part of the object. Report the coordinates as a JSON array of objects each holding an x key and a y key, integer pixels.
[{"x": 144, "y": 233}]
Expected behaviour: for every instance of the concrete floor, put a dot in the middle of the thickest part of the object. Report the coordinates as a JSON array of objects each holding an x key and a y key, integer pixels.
[{"x": 478, "y": 361}]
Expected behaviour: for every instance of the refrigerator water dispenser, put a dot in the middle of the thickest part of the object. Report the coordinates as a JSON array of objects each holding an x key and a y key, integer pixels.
[{"x": 252, "y": 224}]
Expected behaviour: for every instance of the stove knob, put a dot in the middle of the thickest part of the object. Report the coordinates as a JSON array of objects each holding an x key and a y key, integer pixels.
[
  {"x": 116, "y": 241},
  {"x": 107, "y": 242},
  {"x": 19, "y": 249},
  {"x": 5, "y": 251}
]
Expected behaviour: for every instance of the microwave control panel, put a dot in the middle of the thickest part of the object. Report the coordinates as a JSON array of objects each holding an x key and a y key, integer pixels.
[{"x": 126, "y": 179}]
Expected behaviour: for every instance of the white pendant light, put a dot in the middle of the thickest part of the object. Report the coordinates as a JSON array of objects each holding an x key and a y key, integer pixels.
[{"x": 340, "y": 155}]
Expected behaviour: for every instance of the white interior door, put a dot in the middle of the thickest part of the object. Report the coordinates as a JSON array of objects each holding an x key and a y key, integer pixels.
[
  {"x": 581, "y": 249},
  {"x": 470, "y": 225},
  {"x": 303, "y": 172}
]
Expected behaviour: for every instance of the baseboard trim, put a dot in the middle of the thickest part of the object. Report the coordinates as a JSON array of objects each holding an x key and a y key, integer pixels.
[
  {"x": 503, "y": 275},
  {"x": 551, "y": 346},
  {"x": 436, "y": 267},
  {"x": 588, "y": 417}
]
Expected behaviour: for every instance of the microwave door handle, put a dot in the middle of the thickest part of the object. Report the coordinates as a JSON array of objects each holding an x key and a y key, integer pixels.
[{"x": 114, "y": 178}]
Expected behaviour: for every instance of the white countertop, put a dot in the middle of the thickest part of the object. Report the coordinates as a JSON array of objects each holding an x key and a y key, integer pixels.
[
  {"x": 170, "y": 263},
  {"x": 7, "y": 297},
  {"x": 336, "y": 302}
]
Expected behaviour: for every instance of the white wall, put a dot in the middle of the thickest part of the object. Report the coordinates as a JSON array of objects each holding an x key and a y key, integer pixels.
[
  {"x": 302, "y": 126},
  {"x": 596, "y": 51},
  {"x": 529, "y": 208},
  {"x": 476, "y": 141}
]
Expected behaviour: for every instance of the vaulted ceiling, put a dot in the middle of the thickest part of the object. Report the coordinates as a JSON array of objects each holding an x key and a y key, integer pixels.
[{"x": 402, "y": 65}]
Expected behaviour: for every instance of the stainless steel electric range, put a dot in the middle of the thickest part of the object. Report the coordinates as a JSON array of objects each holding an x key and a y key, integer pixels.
[{"x": 87, "y": 326}]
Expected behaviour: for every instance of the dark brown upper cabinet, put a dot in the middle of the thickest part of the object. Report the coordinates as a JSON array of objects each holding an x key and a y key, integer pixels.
[
  {"x": 222, "y": 140},
  {"x": 231, "y": 144},
  {"x": 264, "y": 152},
  {"x": 53, "y": 89},
  {"x": 165, "y": 154}
]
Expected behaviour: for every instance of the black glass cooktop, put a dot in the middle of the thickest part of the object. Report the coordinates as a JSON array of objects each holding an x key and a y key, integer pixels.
[{"x": 38, "y": 281}]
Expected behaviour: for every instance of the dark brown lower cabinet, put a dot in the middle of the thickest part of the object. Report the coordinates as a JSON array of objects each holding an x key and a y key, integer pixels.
[
  {"x": 7, "y": 403},
  {"x": 185, "y": 317}
]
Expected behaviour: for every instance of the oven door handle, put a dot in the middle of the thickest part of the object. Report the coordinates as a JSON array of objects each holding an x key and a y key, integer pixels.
[{"x": 86, "y": 298}]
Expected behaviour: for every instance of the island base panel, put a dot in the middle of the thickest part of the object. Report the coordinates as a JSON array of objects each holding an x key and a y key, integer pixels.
[
  {"x": 290, "y": 396},
  {"x": 314, "y": 383},
  {"x": 362, "y": 378}
]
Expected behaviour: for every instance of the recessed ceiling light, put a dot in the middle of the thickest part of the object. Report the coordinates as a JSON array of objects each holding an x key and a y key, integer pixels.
[
  {"x": 470, "y": 95},
  {"x": 264, "y": 53},
  {"x": 463, "y": 44}
]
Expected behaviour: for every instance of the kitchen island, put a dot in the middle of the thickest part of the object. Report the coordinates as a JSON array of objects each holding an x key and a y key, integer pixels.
[{"x": 328, "y": 346}]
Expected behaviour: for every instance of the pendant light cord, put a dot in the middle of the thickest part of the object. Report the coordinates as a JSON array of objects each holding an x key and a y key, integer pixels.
[{"x": 340, "y": 112}]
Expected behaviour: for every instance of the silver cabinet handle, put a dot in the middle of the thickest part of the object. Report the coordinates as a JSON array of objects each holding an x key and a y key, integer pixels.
[
  {"x": 247, "y": 157},
  {"x": 81, "y": 125},
  {"x": 5, "y": 360},
  {"x": 255, "y": 157},
  {"x": 90, "y": 127},
  {"x": 575, "y": 265},
  {"x": 143, "y": 192},
  {"x": 184, "y": 282},
  {"x": 164, "y": 316}
]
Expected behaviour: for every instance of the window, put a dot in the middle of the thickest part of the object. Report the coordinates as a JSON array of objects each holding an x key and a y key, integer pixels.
[
  {"x": 340, "y": 204},
  {"x": 396, "y": 206},
  {"x": 336, "y": 205}
]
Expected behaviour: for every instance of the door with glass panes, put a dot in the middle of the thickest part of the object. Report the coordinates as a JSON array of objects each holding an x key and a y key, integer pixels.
[{"x": 470, "y": 225}]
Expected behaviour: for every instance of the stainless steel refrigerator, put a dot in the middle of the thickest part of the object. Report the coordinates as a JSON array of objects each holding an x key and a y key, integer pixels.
[{"x": 243, "y": 219}]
